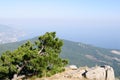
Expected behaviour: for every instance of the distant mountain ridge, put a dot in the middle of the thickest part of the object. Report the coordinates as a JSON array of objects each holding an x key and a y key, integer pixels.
[
  {"x": 9, "y": 34},
  {"x": 80, "y": 54}
]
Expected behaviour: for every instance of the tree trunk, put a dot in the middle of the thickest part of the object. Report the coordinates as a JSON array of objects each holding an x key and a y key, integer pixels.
[
  {"x": 41, "y": 49},
  {"x": 15, "y": 77}
]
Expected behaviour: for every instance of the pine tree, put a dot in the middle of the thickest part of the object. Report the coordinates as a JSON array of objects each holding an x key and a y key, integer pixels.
[{"x": 40, "y": 58}]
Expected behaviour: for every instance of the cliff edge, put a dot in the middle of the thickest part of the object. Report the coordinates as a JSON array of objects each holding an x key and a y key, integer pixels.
[{"x": 84, "y": 73}]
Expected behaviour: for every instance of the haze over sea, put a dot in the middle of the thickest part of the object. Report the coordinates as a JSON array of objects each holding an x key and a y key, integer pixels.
[{"x": 89, "y": 21}]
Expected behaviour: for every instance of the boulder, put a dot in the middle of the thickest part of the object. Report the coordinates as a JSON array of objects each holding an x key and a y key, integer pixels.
[
  {"x": 73, "y": 67},
  {"x": 100, "y": 73},
  {"x": 109, "y": 73}
]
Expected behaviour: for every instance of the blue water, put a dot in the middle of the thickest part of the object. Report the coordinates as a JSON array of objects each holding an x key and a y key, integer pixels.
[{"x": 106, "y": 37}]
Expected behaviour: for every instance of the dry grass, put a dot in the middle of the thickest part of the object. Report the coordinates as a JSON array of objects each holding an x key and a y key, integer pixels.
[{"x": 68, "y": 74}]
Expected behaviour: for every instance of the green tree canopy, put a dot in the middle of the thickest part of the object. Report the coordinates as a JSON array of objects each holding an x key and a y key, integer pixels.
[{"x": 40, "y": 58}]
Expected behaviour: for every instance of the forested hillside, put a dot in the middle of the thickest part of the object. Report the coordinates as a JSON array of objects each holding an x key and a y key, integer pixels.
[{"x": 81, "y": 54}]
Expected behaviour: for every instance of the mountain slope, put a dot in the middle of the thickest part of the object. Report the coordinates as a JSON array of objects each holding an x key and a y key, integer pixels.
[{"x": 81, "y": 54}]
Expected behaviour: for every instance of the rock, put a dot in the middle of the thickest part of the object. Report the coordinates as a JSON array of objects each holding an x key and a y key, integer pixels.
[
  {"x": 84, "y": 73},
  {"x": 100, "y": 73},
  {"x": 73, "y": 67},
  {"x": 109, "y": 73}
]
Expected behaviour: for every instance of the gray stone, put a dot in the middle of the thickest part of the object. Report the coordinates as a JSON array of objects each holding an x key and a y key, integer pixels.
[
  {"x": 73, "y": 67},
  {"x": 100, "y": 73}
]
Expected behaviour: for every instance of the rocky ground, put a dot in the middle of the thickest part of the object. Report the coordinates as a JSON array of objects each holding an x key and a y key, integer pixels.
[
  {"x": 84, "y": 73},
  {"x": 68, "y": 74}
]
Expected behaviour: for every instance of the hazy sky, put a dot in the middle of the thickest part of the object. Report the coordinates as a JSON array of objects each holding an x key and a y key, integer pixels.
[{"x": 91, "y": 21}]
